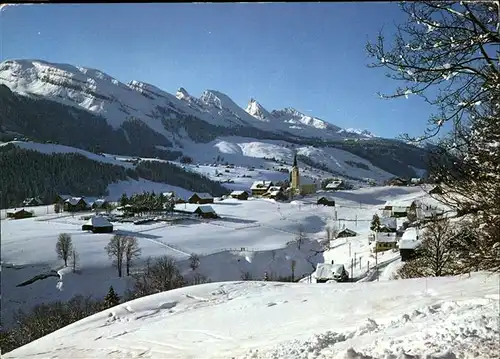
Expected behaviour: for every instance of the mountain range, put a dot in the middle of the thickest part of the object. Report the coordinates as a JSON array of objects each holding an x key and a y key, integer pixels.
[{"x": 88, "y": 109}]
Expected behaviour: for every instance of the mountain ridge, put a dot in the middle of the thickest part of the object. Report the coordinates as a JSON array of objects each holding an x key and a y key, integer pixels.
[{"x": 100, "y": 93}]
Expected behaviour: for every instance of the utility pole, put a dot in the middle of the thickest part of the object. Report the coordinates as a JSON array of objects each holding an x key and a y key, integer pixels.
[
  {"x": 349, "y": 249},
  {"x": 376, "y": 263}
]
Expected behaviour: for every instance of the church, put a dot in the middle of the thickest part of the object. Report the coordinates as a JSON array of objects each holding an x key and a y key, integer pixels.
[{"x": 299, "y": 184}]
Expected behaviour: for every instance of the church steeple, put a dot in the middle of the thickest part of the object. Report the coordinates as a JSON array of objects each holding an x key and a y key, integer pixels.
[{"x": 295, "y": 159}]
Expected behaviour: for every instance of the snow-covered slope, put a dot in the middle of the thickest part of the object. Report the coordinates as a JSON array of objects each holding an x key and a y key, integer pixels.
[
  {"x": 424, "y": 318},
  {"x": 245, "y": 152},
  {"x": 104, "y": 95}
]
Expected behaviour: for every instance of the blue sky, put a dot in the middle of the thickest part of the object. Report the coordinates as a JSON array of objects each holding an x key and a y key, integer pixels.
[{"x": 310, "y": 56}]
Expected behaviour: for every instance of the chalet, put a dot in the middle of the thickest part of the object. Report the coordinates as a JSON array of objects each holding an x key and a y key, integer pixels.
[
  {"x": 241, "y": 195},
  {"x": 19, "y": 214},
  {"x": 100, "y": 204},
  {"x": 200, "y": 198},
  {"x": 397, "y": 182},
  {"x": 385, "y": 241},
  {"x": 325, "y": 201},
  {"x": 61, "y": 198},
  {"x": 260, "y": 187},
  {"x": 98, "y": 224},
  {"x": 408, "y": 244},
  {"x": 35, "y": 201},
  {"x": 329, "y": 271},
  {"x": 75, "y": 204},
  {"x": 436, "y": 190},
  {"x": 204, "y": 211},
  {"x": 346, "y": 232}
]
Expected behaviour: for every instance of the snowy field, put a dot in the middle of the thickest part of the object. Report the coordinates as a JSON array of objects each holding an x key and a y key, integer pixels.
[
  {"x": 447, "y": 317},
  {"x": 251, "y": 237}
]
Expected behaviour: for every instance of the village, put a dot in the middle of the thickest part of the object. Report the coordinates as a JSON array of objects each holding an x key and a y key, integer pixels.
[{"x": 394, "y": 227}]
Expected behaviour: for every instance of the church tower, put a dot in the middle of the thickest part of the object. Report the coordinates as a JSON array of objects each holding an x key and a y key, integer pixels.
[{"x": 295, "y": 182}]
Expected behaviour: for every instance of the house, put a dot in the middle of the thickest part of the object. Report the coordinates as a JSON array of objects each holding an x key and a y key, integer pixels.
[
  {"x": 201, "y": 198},
  {"x": 98, "y": 224},
  {"x": 75, "y": 204},
  {"x": 204, "y": 211},
  {"x": 325, "y": 201},
  {"x": 436, "y": 190},
  {"x": 408, "y": 244},
  {"x": 19, "y": 214},
  {"x": 35, "y": 201},
  {"x": 330, "y": 271},
  {"x": 300, "y": 184},
  {"x": 241, "y": 195},
  {"x": 260, "y": 187},
  {"x": 346, "y": 232},
  {"x": 385, "y": 241},
  {"x": 388, "y": 225}
]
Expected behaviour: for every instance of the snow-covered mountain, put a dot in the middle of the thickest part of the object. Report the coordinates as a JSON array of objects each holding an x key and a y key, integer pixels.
[{"x": 104, "y": 95}]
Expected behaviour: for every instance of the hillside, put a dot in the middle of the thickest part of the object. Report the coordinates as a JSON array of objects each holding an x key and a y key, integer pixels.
[
  {"x": 448, "y": 317},
  {"x": 88, "y": 109}
]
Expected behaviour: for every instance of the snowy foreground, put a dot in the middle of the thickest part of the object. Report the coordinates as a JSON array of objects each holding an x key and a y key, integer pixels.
[{"x": 453, "y": 317}]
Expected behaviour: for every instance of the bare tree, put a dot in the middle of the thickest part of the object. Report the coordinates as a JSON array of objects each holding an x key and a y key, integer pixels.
[
  {"x": 64, "y": 247},
  {"x": 293, "y": 265},
  {"x": 74, "y": 259},
  {"x": 447, "y": 54},
  {"x": 436, "y": 256},
  {"x": 116, "y": 251},
  {"x": 331, "y": 230},
  {"x": 132, "y": 252},
  {"x": 194, "y": 261},
  {"x": 160, "y": 276},
  {"x": 300, "y": 237}
]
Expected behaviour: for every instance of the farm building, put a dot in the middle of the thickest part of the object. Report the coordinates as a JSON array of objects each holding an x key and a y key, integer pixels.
[
  {"x": 260, "y": 187},
  {"x": 200, "y": 198},
  {"x": 241, "y": 195},
  {"x": 19, "y": 214},
  {"x": 98, "y": 224},
  {"x": 346, "y": 232},
  {"x": 204, "y": 211},
  {"x": 326, "y": 201}
]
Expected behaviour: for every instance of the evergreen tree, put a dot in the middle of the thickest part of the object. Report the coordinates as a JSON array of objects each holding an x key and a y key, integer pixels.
[
  {"x": 124, "y": 200},
  {"x": 375, "y": 224},
  {"x": 111, "y": 299}
]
